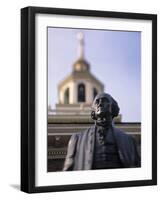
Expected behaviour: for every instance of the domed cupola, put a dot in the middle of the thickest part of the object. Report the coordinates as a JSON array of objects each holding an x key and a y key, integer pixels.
[
  {"x": 81, "y": 65},
  {"x": 80, "y": 86}
]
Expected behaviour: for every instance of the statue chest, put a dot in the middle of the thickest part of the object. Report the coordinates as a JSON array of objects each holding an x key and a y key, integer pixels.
[{"x": 105, "y": 152}]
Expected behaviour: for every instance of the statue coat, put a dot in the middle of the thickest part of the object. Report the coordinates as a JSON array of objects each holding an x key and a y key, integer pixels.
[{"x": 81, "y": 150}]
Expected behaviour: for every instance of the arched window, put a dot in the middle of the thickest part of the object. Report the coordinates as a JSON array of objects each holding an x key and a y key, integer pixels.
[
  {"x": 81, "y": 92},
  {"x": 66, "y": 96},
  {"x": 94, "y": 92}
]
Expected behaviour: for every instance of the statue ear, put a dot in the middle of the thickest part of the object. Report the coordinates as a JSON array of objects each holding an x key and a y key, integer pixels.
[
  {"x": 93, "y": 116},
  {"x": 115, "y": 108}
]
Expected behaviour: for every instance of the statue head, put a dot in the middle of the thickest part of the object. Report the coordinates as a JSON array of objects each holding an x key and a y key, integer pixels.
[{"x": 104, "y": 109}]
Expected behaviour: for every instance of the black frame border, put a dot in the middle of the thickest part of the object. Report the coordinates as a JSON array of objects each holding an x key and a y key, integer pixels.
[{"x": 28, "y": 98}]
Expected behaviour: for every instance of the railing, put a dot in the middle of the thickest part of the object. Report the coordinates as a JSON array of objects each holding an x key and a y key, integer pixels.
[{"x": 57, "y": 153}]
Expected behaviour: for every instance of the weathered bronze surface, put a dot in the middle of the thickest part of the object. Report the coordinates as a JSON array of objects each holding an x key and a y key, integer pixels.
[{"x": 102, "y": 146}]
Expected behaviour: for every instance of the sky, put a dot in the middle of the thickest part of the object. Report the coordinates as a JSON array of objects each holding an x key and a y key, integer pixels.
[{"x": 114, "y": 57}]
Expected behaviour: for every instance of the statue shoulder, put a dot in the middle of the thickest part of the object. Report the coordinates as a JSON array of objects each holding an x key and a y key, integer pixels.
[
  {"x": 81, "y": 136},
  {"x": 121, "y": 134},
  {"x": 119, "y": 131},
  {"x": 85, "y": 132}
]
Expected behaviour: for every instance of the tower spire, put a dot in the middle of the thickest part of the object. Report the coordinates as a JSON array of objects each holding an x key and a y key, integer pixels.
[
  {"x": 80, "y": 37},
  {"x": 81, "y": 65}
]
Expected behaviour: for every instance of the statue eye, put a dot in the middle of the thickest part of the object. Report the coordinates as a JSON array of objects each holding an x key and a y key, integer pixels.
[{"x": 97, "y": 101}]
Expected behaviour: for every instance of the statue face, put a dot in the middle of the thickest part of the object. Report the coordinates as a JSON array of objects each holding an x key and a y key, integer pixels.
[{"x": 103, "y": 107}]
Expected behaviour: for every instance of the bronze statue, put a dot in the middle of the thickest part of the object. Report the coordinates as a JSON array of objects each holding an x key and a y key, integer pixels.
[{"x": 102, "y": 146}]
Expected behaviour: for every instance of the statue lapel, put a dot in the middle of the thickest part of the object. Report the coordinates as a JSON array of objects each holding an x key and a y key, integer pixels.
[{"x": 90, "y": 148}]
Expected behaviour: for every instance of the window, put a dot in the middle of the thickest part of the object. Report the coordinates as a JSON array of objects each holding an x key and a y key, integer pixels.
[
  {"x": 66, "y": 96},
  {"x": 81, "y": 92}
]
